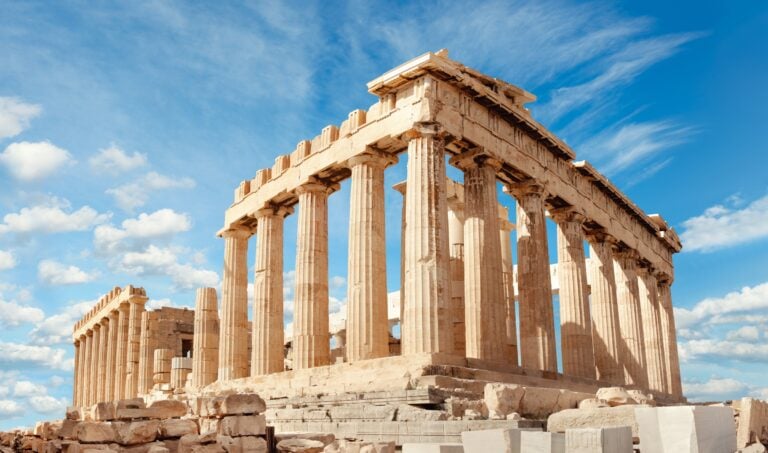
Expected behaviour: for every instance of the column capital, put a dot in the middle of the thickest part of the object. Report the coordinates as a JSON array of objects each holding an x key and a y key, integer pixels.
[
  {"x": 104, "y": 321},
  {"x": 420, "y": 130},
  {"x": 273, "y": 210},
  {"x": 77, "y": 342},
  {"x": 113, "y": 315},
  {"x": 235, "y": 231},
  {"x": 599, "y": 236},
  {"x": 372, "y": 157},
  {"x": 663, "y": 278},
  {"x": 506, "y": 225},
  {"x": 316, "y": 185},
  {"x": 96, "y": 327},
  {"x": 644, "y": 269},
  {"x": 567, "y": 214},
  {"x": 526, "y": 188},
  {"x": 474, "y": 158}
]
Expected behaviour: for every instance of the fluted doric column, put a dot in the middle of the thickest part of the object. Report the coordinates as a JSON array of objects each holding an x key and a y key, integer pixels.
[
  {"x": 456, "y": 244},
  {"x": 111, "y": 347},
  {"x": 484, "y": 305},
  {"x": 508, "y": 279},
  {"x": 268, "y": 337},
  {"x": 147, "y": 346},
  {"x": 135, "y": 309},
  {"x": 121, "y": 365},
  {"x": 630, "y": 320},
  {"x": 93, "y": 394},
  {"x": 669, "y": 335},
  {"x": 85, "y": 386},
  {"x": 367, "y": 326},
  {"x": 606, "y": 337},
  {"x": 428, "y": 322},
  {"x": 311, "y": 336},
  {"x": 400, "y": 187},
  {"x": 537, "y": 325},
  {"x": 653, "y": 341},
  {"x": 233, "y": 332},
  {"x": 575, "y": 319},
  {"x": 102, "y": 371},
  {"x": 205, "y": 360},
  {"x": 78, "y": 361}
]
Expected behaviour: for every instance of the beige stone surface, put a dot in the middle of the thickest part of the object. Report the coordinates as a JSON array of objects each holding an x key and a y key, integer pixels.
[
  {"x": 594, "y": 418},
  {"x": 752, "y": 421},
  {"x": 177, "y": 427},
  {"x": 502, "y": 399},
  {"x": 300, "y": 445},
  {"x": 542, "y": 442},
  {"x": 687, "y": 429},
  {"x": 136, "y": 308},
  {"x": 599, "y": 440},
  {"x": 93, "y": 376},
  {"x": 242, "y": 425},
  {"x": 233, "y": 333},
  {"x": 111, "y": 358},
  {"x": 205, "y": 359},
  {"x": 121, "y": 366}
]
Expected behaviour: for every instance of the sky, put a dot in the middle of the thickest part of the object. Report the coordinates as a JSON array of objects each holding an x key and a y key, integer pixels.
[{"x": 126, "y": 126}]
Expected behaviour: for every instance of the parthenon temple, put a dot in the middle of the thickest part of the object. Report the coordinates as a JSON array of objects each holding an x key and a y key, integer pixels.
[{"x": 469, "y": 308}]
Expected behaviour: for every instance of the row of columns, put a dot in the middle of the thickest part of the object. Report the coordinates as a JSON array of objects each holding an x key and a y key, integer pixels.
[
  {"x": 602, "y": 335},
  {"x": 107, "y": 356}
]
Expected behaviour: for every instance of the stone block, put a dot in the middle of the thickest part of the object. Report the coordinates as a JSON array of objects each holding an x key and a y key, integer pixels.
[
  {"x": 538, "y": 402},
  {"x": 492, "y": 440},
  {"x": 175, "y": 427},
  {"x": 138, "y": 432},
  {"x": 599, "y": 440},
  {"x": 614, "y": 396},
  {"x": 607, "y": 417},
  {"x": 297, "y": 445},
  {"x": 243, "y": 444},
  {"x": 542, "y": 442},
  {"x": 73, "y": 413},
  {"x": 132, "y": 403},
  {"x": 502, "y": 399},
  {"x": 407, "y": 413},
  {"x": 209, "y": 425},
  {"x": 242, "y": 425},
  {"x": 102, "y": 412},
  {"x": 168, "y": 409},
  {"x": 132, "y": 414},
  {"x": 753, "y": 448},
  {"x": 752, "y": 422},
  {"x": 68, "y": 429},
  {"x": 95, "y": 432},
  {"x": 684, "y": 429},
  {"x": 433, "y": 448},
  {"x": 325, "y": 438},
  {"x": 237, "y": 404}
]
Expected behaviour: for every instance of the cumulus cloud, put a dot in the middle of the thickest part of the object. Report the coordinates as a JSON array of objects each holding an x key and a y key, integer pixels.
[
  {"x": 17, "y": 354},
  {"x": 163, "y": 223},
  {"x": 48, "y": 405},
  {"x": 54, "y": 273},
  {"x": 10, "y": 409},
  {"x": 53, "y": 215},
  {"x": 29, "y": 161},
  {"x": 15, "y": 116},
  {"x": 114, "y": 160},
  {"x": 57, "y": 328},
  {"x": 722, "y": 226},
  {"x": 723, "y": 350},
  {"x": 744, "y": 333},
  {"x": 714, "y": 310},
  {"x": 714, "y": 389},
  {"x": 165, "y": 261},
  {"x": 135, "y": 194},
  {"x": 28, "y": 389},
  {"x": 13, "y": 314},
  {"x": 7, "y": 260}
]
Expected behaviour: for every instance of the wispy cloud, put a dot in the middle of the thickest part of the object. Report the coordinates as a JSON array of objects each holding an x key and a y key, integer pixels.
[
  {"x": 723, "y": 225},
  {"x": 15, "y": 116},
  {"x": 114, "y": 160},
  {"x": 135, "y": 194},
  {"x": 52, "y": 272}
]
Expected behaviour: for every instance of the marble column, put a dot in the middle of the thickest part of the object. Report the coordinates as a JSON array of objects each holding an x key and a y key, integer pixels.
[
  {"x": 85, "y": 386},
  {"x": 93, "y": 397},
  {"x": 428, "y": 321},
  {"x": 606, "y": 336},
  {"x": 161, "y": 369},
  {"x": 456, "y": 243},
  {"x": 205, "y": 359},
  {"x": 233, "y": 331},
  {"x": 109, "y": 388},
  {"x": 102, "y": 372},
  {"x": 575, "y": 319},
  {"x": 669, "y": 335},
  {"x": 653, "y": 341},
  {"x": 136, "y": 308},
  {"x": 268, "y": 335},
  {"x": 367, "y": 326},
  {"x": 147, "y": 346},
  {"x": 537, "y": 325},
  {"x": 400, "y": 187},
  {"x": 77, "y": 379},
  {"x": 121, "y": 364},
  {"x": 508, "y": 279},
  {"x": 311, "y": 336},
  {"x": 484, "y": 305},
  {"x": 630, "y": 319}
]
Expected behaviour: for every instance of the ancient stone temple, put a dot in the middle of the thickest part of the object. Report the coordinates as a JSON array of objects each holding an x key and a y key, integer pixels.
[{"x": 470, "y": 312}]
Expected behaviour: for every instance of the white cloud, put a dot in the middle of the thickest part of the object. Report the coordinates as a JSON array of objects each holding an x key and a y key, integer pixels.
[
  {"x": 48, "y": 405},
  {"x": 338, "y": 282},
  {"x": 163, "y": 223},
  {"x": 57, "y": 329},
  {"x": 712, "y": 310},
  {"x": 56, "y": 381},
  {"x": 7, "y": 260},
  {"x": 723, "y": 349},
  {"x": 744, "y": 333},
  {"x": 15, "y": 116},
  {"x": 115, "y": 160},
  {"x": 54, "y": 215},
  {"x": 29, "y": 161},
  {"x": 135, "y": 194},
  {"x": 4, "y": 391},
  {"x": 10, "y": 408},
  {"x": 28, "y": 389},
  {"x": 12, "y": 314},
  {"x": 54, "y": 273},
  {"x": 17, "y": 354},
  {"x": 714, "y": 389},
  {"x": 722, "y": 226},
  {"x": 164, "y": 261}
]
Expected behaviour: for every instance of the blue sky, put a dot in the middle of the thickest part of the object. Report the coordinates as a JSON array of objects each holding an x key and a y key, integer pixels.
[{"x": 125, "y": 127}]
